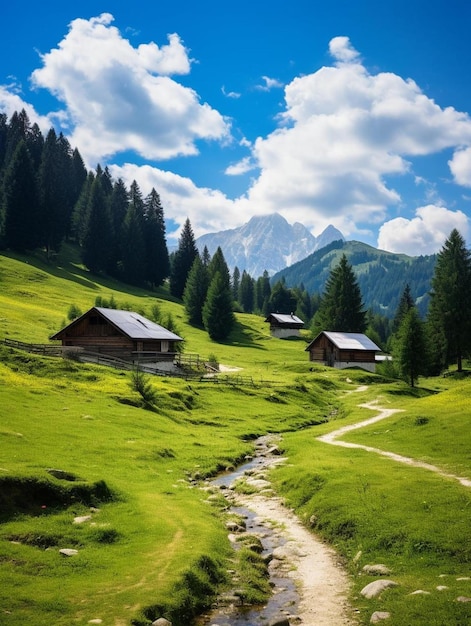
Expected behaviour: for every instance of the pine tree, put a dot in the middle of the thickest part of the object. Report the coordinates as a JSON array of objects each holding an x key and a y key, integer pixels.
[
  {"x": 206, "y": 257},
  {"x": 410, "y": 348},
  {"x": 218, "y": 315},
  {"x": 262, "y": 293},
  {"x": 450, "y": 301},
  {"x": 406, "y": 302},
  {"x": 119, "y": 201},
  {"x": 157, "y": 259},
  {"x": 281, "y": 299},
  {"x": 3, "y": 141},
  {"x": 246, "y": 292},
  {"x": 196, "y": 290},
  {"x": 133, "y": 252},
  {"x": 218, "y": 264},
  {"x": 80, "y": 212},
  {"x": 183, "y": 260},
  {"x": 97, "y": 239},
  {"x": 341, "y": 306},
  {"x": 53, "y": 173},
  {"x": 235, "y": 283},
  {"x": 21, "y": 204}
]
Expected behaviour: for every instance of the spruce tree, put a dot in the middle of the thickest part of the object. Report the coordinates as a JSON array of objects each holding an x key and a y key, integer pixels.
[
  {"x": 182, "y": 260},
  {"x": 81, "y": 209},
  {"x": 196, "y": 290},
  {"x": 218, "y": 315},
  {"x": 262, "y": 293},
  {"x": 97, "y": 238},
  {"x": 133, "y": 253},
  {"x": 449, "y": 318},
  {"x": 119, "y": 201},
  {"x": 410, "y": 347},
  {"x": 206, "y": 257},
  {"x": 52, "y": 193},
  {"x": 246, "y": 292},
  {"x": 218, "y": 264},
  {"x": 406, "y": 302},
  {"x": 235, "y": 283},
  {"x": 281, "y": 299},
  {"x": 21, "y": 204},
  {"x": 157, "y": 259},
  {"x": 341, "y": 307}
]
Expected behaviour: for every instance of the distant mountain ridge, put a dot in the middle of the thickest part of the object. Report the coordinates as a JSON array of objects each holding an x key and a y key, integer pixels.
[
  {"x": 266, "y": 242},
  {"x": 381, "y": 275}
]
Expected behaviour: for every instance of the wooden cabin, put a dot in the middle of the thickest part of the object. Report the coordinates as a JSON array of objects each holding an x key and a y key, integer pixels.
[
  {"x": 122, "y": 334},
  {"x": 343, "y": 350},
  {"x": 283, "y": 326}
]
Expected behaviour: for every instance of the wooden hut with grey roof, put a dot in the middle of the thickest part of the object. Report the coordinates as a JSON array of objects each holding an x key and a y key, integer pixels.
[
  {"x": 343, "y": 350},
  {"x": 124, "y": 334}
]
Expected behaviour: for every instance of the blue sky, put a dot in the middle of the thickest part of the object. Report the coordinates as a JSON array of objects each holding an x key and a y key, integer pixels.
[{"x": 355, "y": 114}]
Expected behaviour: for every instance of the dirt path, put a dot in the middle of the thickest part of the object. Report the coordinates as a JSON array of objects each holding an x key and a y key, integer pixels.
[
  {"x": 322, "y": 582},
  {"x": 333, "y": 438}
]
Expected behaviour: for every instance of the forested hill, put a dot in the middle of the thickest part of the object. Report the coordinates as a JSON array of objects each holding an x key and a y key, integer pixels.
[{"x": 381, "y": 275}]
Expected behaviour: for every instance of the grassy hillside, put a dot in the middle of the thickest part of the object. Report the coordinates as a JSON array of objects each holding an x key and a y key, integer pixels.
[{"x": 153, "y": 545}]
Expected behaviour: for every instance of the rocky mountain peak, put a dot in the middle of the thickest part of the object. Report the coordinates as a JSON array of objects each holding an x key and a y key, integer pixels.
[{"x": 266, "y": 242}]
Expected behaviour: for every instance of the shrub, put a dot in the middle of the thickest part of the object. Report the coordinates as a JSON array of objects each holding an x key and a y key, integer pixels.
[{"x": 140, "y": 383}]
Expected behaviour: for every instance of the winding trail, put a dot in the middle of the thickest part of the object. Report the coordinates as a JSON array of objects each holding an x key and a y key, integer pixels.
[{"x": 333, "y": 439}]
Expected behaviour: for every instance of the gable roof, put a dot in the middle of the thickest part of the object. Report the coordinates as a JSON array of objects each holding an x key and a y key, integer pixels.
[
  {"x": 348, "y": 341},
  {"x": 285, "y": 319},
  {"x": 131, "y": 324}
]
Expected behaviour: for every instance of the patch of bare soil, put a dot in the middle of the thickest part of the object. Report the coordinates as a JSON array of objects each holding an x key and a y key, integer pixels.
[{"x": 322, "y": 582}]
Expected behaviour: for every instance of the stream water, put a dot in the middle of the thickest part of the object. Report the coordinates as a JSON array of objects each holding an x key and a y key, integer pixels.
[{"x": 284, "y": 600}]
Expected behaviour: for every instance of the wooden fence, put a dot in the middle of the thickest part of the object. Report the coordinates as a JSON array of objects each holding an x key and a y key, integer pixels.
[{"x": 188, "y": 366}]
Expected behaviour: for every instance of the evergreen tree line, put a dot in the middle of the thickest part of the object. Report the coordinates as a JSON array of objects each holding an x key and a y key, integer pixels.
[{"x": 47, "y": 196}]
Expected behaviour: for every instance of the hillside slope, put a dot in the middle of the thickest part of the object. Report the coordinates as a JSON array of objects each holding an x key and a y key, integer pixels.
[{"x": 381, "y": 275}]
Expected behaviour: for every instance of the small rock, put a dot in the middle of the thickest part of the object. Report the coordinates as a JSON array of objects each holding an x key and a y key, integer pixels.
[
  {"x": 441, "y": 587},
  {"x": 463, "y": 599},
  {"x": 95, "y": 621},
  {"x": 376, "y": 587},
  {"x": 161, "y": 622},
  {"x": 68, "y": 551},
  {"x": 234, "y": 527},
  {"x": 420, "y": 592},
  {"x": 464, "y": 578},
  {"x": 376, "y": 570},
  {"x": 378, "y": 616}
]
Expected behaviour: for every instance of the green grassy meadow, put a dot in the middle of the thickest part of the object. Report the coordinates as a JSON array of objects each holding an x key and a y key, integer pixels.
[{"x": 154, "y": 544}]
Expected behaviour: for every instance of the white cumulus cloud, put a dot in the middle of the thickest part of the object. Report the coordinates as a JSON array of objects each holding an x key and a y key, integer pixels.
[
  {"x": 345, "y": 133},
  {"x": 120, "y": 98},
  {"x": 423, "y": 234},
  {"x": 460, "y": 166}
]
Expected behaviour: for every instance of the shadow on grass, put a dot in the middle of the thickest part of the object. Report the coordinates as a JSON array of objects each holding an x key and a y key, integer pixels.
[
  {"x": 243, "y": 335},
  {"x": 29, "y": 495},
  {"x": 67, "y": 265},
  {"x": 412, "y": 392}
]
